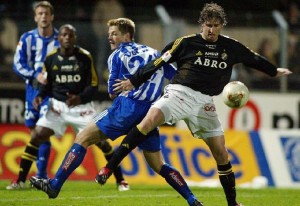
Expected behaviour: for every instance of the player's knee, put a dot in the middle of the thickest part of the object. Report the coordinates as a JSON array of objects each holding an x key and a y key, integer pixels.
[
  {"x": 145, "y": 126},
  {"x": 105, "y": 146},
  {"x": 148, "y": 124},
  {"x": 156, "y": 168},
  {"x": 41, "y": 135},
  {"x": 221, "y": 157},
  {"x": 38, "y": 139},
  {"x": 85, "y": 140}
]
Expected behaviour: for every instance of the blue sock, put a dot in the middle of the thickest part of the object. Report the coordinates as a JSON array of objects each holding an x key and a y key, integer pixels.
[
  {"x": 42, "y": 159},
  {"x": 174, "y": 178},
  {"x": 72, "y": 160}
]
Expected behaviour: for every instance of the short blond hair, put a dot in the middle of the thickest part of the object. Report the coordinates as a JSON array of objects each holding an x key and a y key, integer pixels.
[
  {"x": 125, "y": 25},
  {"x": 45, "y": 4}
]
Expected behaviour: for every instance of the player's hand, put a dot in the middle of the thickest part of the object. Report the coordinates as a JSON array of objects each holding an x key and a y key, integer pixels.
[
  {"x": 42, "y": 78},
  {"x": 37, "y": 102},
  {"x": 283, "y": 72},
  {"x": 122, "y": 85},
  {"x": 73, "y": 100}
]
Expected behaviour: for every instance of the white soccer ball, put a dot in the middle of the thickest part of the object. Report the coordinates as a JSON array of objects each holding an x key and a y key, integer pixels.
[{"x": 235, "y": 94}]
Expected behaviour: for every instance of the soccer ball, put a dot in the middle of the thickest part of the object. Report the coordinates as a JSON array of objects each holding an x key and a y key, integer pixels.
[{"x": 235, "y": 94}]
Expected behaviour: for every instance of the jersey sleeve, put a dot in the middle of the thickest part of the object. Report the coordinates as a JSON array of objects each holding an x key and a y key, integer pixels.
[
  {"x": 255, "y": 60},
  {"x": 170, "y": 53},
  {"x": 21, "y": 66},
  {"x": 89, "y": 91},
  {"x": 114, "y": 71}
]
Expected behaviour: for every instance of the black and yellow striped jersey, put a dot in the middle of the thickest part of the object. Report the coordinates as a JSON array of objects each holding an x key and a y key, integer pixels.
[
  {"x": 205, "y": 66},
  {"x": 73, "y": 74}
]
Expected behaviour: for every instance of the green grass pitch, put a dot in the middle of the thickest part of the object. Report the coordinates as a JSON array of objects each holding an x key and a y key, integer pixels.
[{"x": 85, "y": 193}]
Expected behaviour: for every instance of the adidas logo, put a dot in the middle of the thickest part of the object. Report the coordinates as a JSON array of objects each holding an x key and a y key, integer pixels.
[
  {"x": 199, "y": 53},
  {"x": 126, "y": 145}
]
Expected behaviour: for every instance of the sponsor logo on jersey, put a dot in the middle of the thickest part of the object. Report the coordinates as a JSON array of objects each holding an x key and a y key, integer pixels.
[
  {"x": 212, "y": 54},
  {"x": 67, "y": 78},
  {"x": 67, "y": 68},
  {"x": 211, "y": 63},
  {"x": 211, "y": 46}
]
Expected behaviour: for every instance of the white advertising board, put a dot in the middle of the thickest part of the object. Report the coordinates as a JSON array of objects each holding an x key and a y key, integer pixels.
[
  {"x": 263, "y": 111},
  {"x": 282, "y": 152}
]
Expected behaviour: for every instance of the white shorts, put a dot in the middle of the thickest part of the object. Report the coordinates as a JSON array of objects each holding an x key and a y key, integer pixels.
[
  {"x": 196, "y": 109},
  {"x": 59, "y": 116}
]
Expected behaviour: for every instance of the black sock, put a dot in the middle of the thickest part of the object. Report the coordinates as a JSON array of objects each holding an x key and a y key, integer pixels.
[
  {"x": 227, "y": 180},
  {"x": 108, "y": 153},
  {"x": 118, "y": 174},
  {"x": 29, "y": 155},
  {"x": 133, "y": 139}
]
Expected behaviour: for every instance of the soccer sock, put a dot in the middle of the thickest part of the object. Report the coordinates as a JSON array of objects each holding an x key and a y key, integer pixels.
[
  {"x": 108, "y": 153},
  {"x": 42, "y": 160},
  {"x": 133, "y": 138},
  {"x": 174, "y": 178},
  {"x": 72, "y": 160},
  {"x": 27, "y": 158},
  {"x": 227, "y": 180}
]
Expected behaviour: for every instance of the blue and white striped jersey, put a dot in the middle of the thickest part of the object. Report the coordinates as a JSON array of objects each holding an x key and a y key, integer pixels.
[
  {"x": 126, "y": 60},
  {"x": 31, "y": 53}
]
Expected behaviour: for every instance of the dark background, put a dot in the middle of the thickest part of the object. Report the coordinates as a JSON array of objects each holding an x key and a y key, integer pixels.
[
  {"x": 240, "y": 13},
  {"x": 69, "y": 6}
]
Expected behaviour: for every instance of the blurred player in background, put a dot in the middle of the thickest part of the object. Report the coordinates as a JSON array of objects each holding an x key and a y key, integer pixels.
[
  {"x": 126, "y": 111},
  {"x": 29, "y": 58},
  {"x": 204, "y": 63},
  {"x": 28, "y": 61}
]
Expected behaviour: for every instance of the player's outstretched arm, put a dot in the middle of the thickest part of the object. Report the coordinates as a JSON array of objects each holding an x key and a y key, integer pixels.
[{"x": 283, "y": 72}]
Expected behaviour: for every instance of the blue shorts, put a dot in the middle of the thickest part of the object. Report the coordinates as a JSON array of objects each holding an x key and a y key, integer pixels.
[
  {"x": 31, "y": 114},
  {"x": 122, "y": 116}
]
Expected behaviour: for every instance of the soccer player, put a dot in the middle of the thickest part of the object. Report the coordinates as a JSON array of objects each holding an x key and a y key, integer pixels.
[
  {"x": 28, "y": 60},
  {"x": 204, "y": 63},
  {"x": 128, "y": 108},
  {"x": 72, "y": 82}
]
